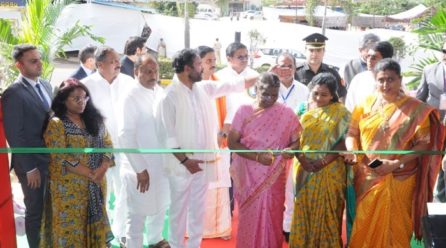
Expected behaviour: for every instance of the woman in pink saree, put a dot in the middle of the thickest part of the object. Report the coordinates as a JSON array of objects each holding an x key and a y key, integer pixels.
[{"x": 259, "y": 177}]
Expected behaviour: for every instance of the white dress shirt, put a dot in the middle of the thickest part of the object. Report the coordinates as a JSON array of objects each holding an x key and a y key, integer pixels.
[
  {"x": 293, "y": 95},
  {"x": 235, "y": 100},
  {"x": 361, "y": 86},
  {"x": 107, "y": 97}
]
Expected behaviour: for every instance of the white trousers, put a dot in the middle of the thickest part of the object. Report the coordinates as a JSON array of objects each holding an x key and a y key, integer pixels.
[
  {"x": 289, "y": 202},
  {"x": 135, "y": 229},
  {"x": 114, "y": 185},
  {"x": 188, "y": 198}
]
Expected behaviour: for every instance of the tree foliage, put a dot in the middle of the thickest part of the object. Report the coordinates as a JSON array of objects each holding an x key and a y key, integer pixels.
[
  {"x": 310, "y": 6},
  {"x": 165, "y": 7},
  {"x": 431, "y": 36},
  {"x": 38, "y": 27}
]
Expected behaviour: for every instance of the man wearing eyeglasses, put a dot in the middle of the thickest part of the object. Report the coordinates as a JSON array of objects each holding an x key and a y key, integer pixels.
[
  {"x": 432, "y": 90},
  {"x": 238, "y": 58},
  {"x": 363, "y": 84},
  {"x": 291, "y": 93}
]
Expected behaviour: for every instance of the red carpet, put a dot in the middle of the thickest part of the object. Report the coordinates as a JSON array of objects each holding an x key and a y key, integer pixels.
[{"x": 220, "y": 243}]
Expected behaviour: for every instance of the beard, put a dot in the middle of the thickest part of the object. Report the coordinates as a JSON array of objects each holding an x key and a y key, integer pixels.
[{"x": 195, "y": 77}]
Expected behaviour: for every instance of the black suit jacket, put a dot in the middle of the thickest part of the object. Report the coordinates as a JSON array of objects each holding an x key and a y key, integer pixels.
[
  {"x": 24, "y": 118},
  {"x": 79, "y": 74},
  {"x": 127, "y": 66}
]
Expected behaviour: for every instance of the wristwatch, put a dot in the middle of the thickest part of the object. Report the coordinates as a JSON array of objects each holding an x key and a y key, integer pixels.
[{"x": 222, "y": 134}]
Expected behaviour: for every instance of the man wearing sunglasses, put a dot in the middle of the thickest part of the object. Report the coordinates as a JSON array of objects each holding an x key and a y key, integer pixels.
[
  {"x": 238, "y": 58},
  {"x": 432, "y": 90}
]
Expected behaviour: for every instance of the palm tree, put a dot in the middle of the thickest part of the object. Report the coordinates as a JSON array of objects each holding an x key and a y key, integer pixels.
[
  {"x": 38, "y": 27},
  {"x": 431, "y": 35}
]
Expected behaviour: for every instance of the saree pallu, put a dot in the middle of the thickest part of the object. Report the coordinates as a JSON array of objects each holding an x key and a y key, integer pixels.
[
  {"x": 259, "y": 189},
  {"x": 320, "y": 196},
  {"x": 74, "y": 209},
  {"x": 7, "y": 224},
  {"x": 389, "y": 208}
]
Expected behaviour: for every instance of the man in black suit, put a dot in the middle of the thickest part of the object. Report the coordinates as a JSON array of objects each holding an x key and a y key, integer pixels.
[
  {"x": 26, "y": 104},
  {"x": 134, "y": 47},
  {"x": 88, "y": 63}
]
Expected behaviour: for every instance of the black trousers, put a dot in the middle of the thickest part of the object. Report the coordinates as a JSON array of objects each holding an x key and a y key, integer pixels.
[
  {"x": 441, "y": 187},
  {"x": 33, "y": 199}
]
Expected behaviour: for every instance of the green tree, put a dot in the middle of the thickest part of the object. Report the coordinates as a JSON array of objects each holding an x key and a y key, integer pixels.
[
  {"x": 165, "y": 7},
  {"x": 224, "y": 7},
  {"x": 310, "y": 6},
  {"x": 38, "y": 28},
  {"x": 191, "y": 8},
  {"x": 255, "y": 39},
  {"x": 431, "y": 35},
  {"x": 399, "y": 47},
  {"x": 269, "y": 2}
]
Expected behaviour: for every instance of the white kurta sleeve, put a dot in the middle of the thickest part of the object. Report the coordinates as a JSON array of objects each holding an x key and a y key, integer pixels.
[
  {"x": 350, "y": 98},
  {"x": 127, "y": 134},
  {"x": 167, "y": 113},
  {"x": 220, "y": 88}
]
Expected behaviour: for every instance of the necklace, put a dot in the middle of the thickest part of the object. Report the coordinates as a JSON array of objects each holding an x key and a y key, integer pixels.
[{"x": 382, "y": 104}]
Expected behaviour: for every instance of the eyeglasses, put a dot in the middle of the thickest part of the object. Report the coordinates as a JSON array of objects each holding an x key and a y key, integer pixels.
[
  {"x": 242, "y": 58},
  {"x": 371, "y": 57},
  {"x": 78, "y": 99}
]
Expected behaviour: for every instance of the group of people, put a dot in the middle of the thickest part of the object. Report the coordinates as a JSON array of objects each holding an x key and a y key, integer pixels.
[{"x": 280, "y": 194}]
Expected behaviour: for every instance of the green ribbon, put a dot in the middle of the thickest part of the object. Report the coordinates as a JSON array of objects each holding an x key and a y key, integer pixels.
[{"x": 33, "y": 150}]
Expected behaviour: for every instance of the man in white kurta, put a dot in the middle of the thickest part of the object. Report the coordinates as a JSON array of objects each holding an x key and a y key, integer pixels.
[
  {"x": 363, "y": 84},
  {"x": 291, "y": 93},
  {"x": 217, "y": 222},
  {"x": 237, "y": 56},
  {"x": 107, "y": 87},
  {"x": 145, "y": 187},
  {"x": 190, "y": 121}
]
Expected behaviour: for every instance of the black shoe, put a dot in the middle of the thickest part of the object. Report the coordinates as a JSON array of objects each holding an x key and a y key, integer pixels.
[
  {"x": 122, "y": 242},
  {"x": 286, "y": 235}
]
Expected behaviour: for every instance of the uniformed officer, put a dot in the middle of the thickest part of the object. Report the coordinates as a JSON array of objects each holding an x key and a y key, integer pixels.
[{"x": 315, "y": 50}]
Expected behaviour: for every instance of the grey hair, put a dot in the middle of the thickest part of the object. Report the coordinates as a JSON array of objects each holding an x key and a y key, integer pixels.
[
  {"x": 101, "y": 53},
  {"x": 368, "y": 40},
  {"x": 268, "y": 80}
]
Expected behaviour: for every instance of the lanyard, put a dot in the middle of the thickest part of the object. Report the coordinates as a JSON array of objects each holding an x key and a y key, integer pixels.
[{"x": 287, "y": 95}]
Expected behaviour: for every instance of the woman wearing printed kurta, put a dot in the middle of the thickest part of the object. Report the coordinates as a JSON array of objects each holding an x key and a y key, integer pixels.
[
  {"x": 320, "y": 177},
  {"x": 259, "y": 178},
  {"x": 74, "y": 214},
  {"x": 391, "y": 198}
]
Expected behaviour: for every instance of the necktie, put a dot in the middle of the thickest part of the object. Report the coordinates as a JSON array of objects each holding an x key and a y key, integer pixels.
[{"x": 42, "y": 96}]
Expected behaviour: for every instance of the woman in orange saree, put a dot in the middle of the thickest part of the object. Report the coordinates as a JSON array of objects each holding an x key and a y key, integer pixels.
[{"x": 391, "y": 198}]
